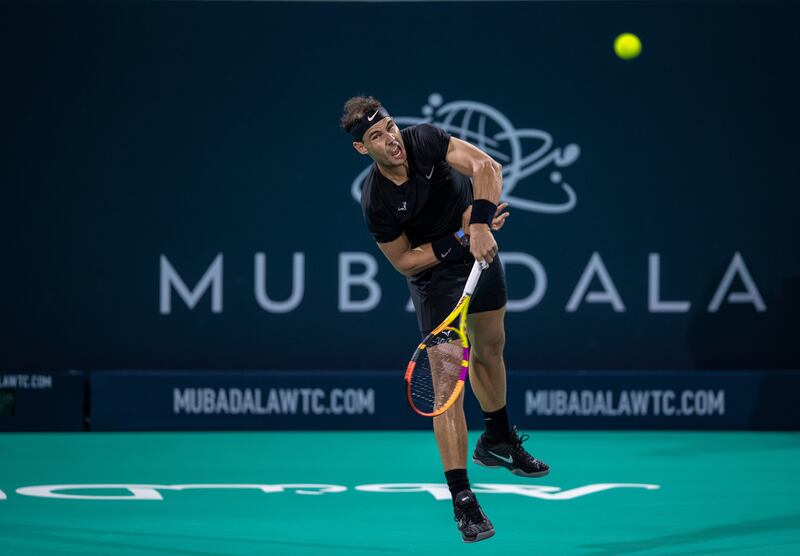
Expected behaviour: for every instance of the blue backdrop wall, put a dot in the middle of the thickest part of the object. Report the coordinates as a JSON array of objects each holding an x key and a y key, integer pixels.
[{"x": 177, "y": 194}]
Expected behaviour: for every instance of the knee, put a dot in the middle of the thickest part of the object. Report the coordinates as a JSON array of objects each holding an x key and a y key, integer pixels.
[{"x": 489, "y": 349}]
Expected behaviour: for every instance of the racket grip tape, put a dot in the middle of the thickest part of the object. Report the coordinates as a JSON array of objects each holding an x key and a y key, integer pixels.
[{"x": 472, "y": 281}]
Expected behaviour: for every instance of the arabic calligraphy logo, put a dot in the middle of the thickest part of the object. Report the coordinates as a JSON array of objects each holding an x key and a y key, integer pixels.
[{"x": 491, "y": 131}]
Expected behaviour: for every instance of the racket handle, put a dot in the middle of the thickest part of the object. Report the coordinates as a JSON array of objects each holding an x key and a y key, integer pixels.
[{"x": 472, "y": 281}]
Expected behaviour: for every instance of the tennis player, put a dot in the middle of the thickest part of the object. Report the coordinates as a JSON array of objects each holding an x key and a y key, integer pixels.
[{"x": 432, "y": 222}]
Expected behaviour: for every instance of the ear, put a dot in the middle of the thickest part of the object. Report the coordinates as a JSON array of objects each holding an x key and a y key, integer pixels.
[{"x": 359, "y": 146}]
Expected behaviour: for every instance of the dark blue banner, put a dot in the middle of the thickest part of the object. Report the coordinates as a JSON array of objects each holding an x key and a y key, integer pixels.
[
  {"x": 131, "y": 400},
  {"x": 149, "y": 400},
  {"x": 178, "y": 194},
  {"x": 42, "y": 401}
]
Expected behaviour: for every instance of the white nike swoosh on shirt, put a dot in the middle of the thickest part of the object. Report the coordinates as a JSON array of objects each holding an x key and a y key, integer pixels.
[
  {"x": 370, "y": 118},
  {"x": 429, "y": 175},
  {"x": 446, "y": 252},
  {"x": 509, "y": 459}
]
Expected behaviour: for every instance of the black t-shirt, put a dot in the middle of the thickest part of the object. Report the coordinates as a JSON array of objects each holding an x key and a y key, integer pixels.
[{"x": 427, "y": 206}]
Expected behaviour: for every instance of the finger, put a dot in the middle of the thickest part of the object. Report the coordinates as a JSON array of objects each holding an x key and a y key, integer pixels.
[
  {"x": 498, "y": 222},
  {"x": 500, "y": 207}
]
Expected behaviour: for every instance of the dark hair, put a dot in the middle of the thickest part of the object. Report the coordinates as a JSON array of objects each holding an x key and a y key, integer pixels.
[{"x": 355, "y": 108}]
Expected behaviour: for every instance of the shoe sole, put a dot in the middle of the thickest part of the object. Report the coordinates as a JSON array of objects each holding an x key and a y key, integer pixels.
[
  {"x": 479, "y": 536},
  {"x": 517, "y": 472}
]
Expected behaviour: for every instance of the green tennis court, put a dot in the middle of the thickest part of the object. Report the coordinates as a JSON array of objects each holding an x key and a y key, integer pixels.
[{"x": 375, "y": 493}]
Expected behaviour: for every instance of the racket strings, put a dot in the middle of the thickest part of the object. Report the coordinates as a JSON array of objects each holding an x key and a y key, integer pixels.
[{"x": 437, "y": 372}]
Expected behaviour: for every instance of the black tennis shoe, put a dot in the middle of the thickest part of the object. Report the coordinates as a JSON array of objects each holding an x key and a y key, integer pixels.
[
  {"x": 510, "y": 455},
  {"x": 472, "y": 522}
]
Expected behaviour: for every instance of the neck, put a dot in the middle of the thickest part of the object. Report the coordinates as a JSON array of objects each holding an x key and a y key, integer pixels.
[{"x": 396, "y": 174}]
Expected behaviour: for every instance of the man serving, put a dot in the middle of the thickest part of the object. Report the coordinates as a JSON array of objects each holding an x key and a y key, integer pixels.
[{"x": 432, "y": 222}]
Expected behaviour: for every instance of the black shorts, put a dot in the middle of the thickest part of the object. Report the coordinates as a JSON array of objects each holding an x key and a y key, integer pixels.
[{"x": 436, "y": 291}]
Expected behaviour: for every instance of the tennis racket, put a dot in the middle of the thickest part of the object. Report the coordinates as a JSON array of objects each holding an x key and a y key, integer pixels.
[{"x": 436, "y": 373}]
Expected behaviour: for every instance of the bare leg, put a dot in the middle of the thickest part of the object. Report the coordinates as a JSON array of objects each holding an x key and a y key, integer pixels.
[
  {"x": 450, "y": 428},
  {"x": 487, "y": 370},
  {"x": 488, "y": 379}
]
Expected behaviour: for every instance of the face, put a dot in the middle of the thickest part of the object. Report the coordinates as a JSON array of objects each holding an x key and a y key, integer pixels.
[{"x": 383, "y": 143}]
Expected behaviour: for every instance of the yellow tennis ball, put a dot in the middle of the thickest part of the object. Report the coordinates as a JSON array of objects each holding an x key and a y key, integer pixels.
[{"x": 627, "y": 46}]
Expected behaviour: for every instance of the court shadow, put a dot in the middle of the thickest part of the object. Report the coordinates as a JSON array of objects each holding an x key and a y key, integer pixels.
[
  {"x": 759, "y": 548},
  {"x": 726, "y": 532}
]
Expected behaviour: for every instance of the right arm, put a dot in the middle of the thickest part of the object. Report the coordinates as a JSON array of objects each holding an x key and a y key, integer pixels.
[{"x": 406, "y": 260}]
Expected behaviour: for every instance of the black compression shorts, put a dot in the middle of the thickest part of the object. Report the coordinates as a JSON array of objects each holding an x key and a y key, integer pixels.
[{"x": 436, "y": 291}]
